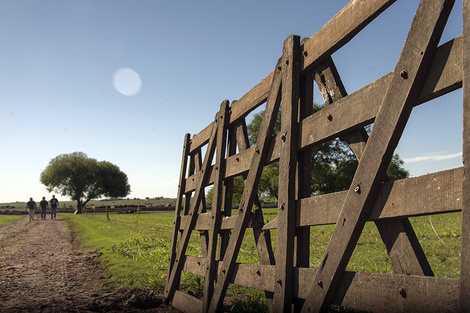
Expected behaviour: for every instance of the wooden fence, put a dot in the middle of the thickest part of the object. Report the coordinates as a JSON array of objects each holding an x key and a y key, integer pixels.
[{"x": 423, "y": 72}]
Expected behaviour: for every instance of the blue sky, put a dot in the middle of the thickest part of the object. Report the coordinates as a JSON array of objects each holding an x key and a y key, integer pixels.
[{"x": 58, "y": 60}]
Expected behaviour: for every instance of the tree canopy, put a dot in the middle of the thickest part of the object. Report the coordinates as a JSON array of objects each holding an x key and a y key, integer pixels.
[
  {"x": 333, "y": 163},
  {"x": 83, "y": 178}
]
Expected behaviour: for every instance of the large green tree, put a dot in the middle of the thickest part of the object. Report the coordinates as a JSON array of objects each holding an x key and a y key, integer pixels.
[
  {"x": 82, "y": 178},
  {"x": 333, "y": 164}
]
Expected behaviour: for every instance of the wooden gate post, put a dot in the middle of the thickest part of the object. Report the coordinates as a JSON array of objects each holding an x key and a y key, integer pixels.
[
  {"x": 465, "y": 253},
  {"x": 287, "y": 174},
  {"x": 216, "y": 210}
]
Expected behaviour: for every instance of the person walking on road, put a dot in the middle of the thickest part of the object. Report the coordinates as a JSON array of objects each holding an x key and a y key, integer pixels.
[
  {"x": 43, "y": 205},
  {"x": 31, "y": 206},
  {"x": 54, "y": 204}
]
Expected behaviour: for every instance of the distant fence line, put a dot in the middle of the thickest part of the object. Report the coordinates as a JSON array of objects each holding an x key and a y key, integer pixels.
[{"x": 131, "y": 208}]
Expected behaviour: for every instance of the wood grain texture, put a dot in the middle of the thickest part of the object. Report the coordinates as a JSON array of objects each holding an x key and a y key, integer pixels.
[
  {"x": 216, "y": 209},
  {"x": 465, "y": 252},
  {"x": 186, "y": 303},
  {"x": 287, "y": 175}
]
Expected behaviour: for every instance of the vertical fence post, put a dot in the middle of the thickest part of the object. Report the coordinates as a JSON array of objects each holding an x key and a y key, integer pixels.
[
  {"x": 465, "y": 253},
  {"x": 287, "y": 174},
  {"x": 137, "y": 216}
]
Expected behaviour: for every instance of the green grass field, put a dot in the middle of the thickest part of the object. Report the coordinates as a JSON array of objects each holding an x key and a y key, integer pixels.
[
  {"x": 135, "y": 249},
  {"x": 7, "y": 219}
]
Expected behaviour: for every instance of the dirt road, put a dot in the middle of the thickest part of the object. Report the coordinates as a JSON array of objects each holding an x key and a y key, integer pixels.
[{"x": 40, "y": 271}]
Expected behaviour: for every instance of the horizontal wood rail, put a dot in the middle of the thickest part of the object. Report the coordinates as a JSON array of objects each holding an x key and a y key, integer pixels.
[{"x": 402, "y": 293}]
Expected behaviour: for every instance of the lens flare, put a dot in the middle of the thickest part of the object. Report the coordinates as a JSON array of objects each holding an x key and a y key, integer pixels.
[{"x": 127, "y": 81}]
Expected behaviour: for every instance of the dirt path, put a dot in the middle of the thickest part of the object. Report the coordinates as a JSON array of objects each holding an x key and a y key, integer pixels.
[{"x": 40, "y": 271}]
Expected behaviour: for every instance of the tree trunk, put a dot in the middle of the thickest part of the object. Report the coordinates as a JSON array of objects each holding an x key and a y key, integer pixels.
[{"x": 79, "y": 207}]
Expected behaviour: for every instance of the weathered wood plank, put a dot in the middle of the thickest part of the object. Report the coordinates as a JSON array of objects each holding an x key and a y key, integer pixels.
[
  {"x": 186, "y": 303},
  {"x": 358, "y": 109},
  {"x": 392, "y": 293},
  {"x": 409, "y": 75},
  {"x": 201, "y": 138},
  {"x": 445, "y": 73},
  {"x": 356, "y": 290},
  {"x": 251, "y": 184},
  {"x": 340, "y": 29},
  {"x": 228, "y": 191},
  {"x": 178, "y": 207},
  {"x": 429, "y": 194},
  {"x": 216, "y": 210},
  {"x": 287, "y": 174},
  {"x": 435, "y": 193},
  {"x": 256, "y": 276},
  {"x": 465, "y": 252},
  {"x": 252, "y": 99},
  {"x": 304, "y": 176}
]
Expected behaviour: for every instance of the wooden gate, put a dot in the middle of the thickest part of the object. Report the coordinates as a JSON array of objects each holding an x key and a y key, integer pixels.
[{"x": 423, "y": 72}]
